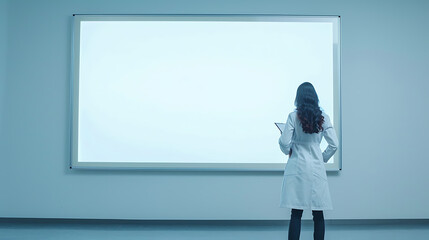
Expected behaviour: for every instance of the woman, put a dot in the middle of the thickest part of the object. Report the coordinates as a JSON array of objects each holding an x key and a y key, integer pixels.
[{"x": 305, "y": 184}]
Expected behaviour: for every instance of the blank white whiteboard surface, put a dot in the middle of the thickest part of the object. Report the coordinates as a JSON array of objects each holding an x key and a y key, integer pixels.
[{"x": 196, "y": 92}]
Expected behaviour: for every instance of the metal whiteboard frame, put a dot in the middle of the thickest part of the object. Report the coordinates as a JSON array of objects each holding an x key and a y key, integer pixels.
[{"x": 165, "y": 166}]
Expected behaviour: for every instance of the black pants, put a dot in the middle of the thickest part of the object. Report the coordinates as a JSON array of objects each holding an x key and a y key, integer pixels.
[{"x": 295, "y": 225}]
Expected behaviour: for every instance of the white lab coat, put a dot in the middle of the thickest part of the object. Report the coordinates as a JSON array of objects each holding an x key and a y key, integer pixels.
[{"x": 305, "y": 184}]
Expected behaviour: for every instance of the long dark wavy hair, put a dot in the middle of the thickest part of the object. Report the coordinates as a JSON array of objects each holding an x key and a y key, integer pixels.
[{"x": 307, "y": 106}]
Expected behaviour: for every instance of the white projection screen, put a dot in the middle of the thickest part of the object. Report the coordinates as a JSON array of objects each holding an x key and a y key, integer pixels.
[{"x": 196, "y": 92}]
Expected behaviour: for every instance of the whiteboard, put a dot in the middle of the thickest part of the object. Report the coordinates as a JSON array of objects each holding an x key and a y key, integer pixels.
[{"x": 196, "y": 92}]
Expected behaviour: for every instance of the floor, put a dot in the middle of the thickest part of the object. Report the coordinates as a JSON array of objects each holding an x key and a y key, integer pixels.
[{"x": 67, "y": 229}]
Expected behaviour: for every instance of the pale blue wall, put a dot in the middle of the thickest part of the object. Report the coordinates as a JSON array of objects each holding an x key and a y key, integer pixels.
[
  {"x": 385, "y": 121},
  {"x": 3, "y": 58}
]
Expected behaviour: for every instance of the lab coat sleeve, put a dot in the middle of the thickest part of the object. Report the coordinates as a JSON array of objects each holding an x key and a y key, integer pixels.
[
  {"x": 331, "y": 137},
  {"x": 286, "y": 136}
]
